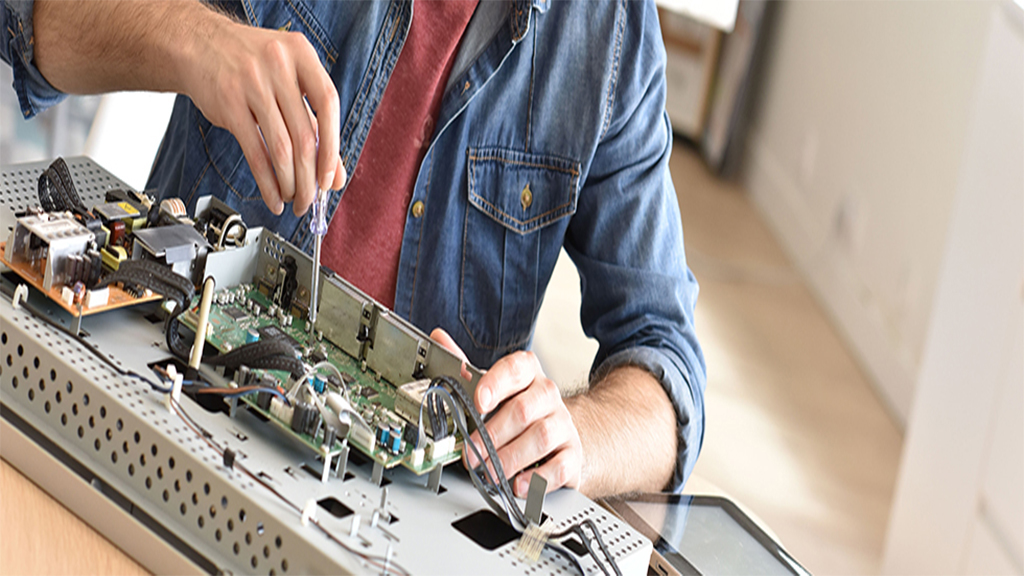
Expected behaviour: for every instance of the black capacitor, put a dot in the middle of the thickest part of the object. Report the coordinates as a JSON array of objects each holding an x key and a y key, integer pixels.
[
  {"x": 411, "y": 434},
  {"x": 330, "y": 435},
  {"x": 317, "y": 356},
  {"x": 263, "y": 399},
  {"x": 95, "y": 267},
  {"x": 304, "y": 417},
  {"x": 242, "y": 376}
]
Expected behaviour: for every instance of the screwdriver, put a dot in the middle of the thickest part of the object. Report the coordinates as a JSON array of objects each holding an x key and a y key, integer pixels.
[{"x": 318, "y": 226}]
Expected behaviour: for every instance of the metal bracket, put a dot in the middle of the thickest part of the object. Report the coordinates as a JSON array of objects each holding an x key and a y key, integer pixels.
[
  {"x": 434, "y": 479},
  {"x": 378, "y": 473}
]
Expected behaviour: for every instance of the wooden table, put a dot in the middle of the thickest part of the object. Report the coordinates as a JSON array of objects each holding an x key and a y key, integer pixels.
[{"x": 38, "y": 535}]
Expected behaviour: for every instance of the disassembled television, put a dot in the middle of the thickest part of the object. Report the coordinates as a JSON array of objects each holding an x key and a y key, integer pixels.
[{"x": 269, "y": 444}]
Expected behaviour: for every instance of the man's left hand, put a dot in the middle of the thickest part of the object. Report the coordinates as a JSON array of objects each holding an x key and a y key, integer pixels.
[{"x": 531, "y": 425}]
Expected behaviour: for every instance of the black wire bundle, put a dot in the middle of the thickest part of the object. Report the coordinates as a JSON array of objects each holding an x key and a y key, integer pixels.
[
  {"x": 267, "y": 354},
  {"x": 447, "y": 388},
  {"x": 164, "y": 281},
  {"x": 438, "y": 417},
  {"x": 57, "y": 191}
]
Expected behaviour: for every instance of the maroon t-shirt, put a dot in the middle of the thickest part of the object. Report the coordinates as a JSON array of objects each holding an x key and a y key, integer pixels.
[{"x": 364, "y": 240}]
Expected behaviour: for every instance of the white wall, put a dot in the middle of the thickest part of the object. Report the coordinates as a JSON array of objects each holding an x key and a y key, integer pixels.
[
  {"x": 854, "y": 154},
  {"x": 958, "y": 507}
]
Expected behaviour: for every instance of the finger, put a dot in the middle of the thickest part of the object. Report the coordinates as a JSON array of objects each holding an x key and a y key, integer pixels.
[
  {"x": 470, "y": 460},
  {"x": 279, "y": 147},
  {"x": 540, "y": 439},
  {"x": 537, "y": 402},
  {"x": 340, "y": 176},
  {"x": 319, "y": 89},
  {"x": 444, "y": 339},
  {"x": 507, "y": 377},
  {"x": 470, "y": 457},
  {"x": 558, "y": 471},
  {"x": 303, "y": 138},
  {"x": 255, "y": 151}
]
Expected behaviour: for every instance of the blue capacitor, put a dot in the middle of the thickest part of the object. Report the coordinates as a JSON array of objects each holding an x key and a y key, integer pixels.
[
  {"x": 251, "y": 335},
  {"x": 383, "y": 435},
  {"x": 396, "y": 439},
  {"x": 319, "y": 383}
]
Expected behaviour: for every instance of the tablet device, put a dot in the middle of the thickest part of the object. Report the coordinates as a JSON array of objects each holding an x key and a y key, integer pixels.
[{"x": 703, "y": 535}]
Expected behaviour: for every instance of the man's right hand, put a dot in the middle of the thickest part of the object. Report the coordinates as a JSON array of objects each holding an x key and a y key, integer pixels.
[
  {"x": 252, "y": 82},
  {"x": 255, "y": 83}
]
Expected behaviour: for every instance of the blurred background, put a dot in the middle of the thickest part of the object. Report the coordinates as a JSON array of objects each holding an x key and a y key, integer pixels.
[{"x": 851, "y": 182}]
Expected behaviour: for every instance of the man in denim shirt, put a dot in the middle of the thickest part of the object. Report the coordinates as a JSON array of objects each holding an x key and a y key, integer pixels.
[{"x": 550, "y": 132}]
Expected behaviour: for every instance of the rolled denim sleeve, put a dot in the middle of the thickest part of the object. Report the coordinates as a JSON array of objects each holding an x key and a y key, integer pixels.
[
  {"x": 35, "y": 94},
  {"x": 626, "y": 240}
]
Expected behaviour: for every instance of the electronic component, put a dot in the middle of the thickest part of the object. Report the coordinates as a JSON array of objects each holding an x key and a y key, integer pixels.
[
  {"x": 271, "y": 331},
  {"x": 304, "y": 417},
  {"x": 319, "y": 383},
  {"x": 408, "y": 399},
  {"x": 112, "y": 256},
  {"x": 124, "y": 212},
  {"x": 52, "y": 252},
  {"x": 235, "y": 313},
  {"x": 287, "y": 283},
  {"x": 47, "y": 240},
  {"x": 178, "y": 246},
  {"x": 222, "y": 225}
]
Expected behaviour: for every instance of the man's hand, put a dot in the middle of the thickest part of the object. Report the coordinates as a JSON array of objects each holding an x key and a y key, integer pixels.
[
  {"x": 532, "y": 424},
  {"x": 618, "y": 437},
  {"x": 253, "y": 82}
]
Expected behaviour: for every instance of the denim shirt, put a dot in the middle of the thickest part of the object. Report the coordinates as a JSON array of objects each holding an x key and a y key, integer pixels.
[{"x": 552, "y": 133}]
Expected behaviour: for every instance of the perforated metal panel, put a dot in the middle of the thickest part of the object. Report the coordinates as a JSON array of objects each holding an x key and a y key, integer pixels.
[{"x": 119, "y": 435}]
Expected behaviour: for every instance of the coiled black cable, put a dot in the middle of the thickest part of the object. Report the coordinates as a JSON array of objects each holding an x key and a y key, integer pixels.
[{"x": 268, "y": 354}]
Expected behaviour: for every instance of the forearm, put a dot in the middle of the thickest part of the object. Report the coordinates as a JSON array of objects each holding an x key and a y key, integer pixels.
[
  {"x": 89, "y": 47},
  {"x": 627, "y": 426}
]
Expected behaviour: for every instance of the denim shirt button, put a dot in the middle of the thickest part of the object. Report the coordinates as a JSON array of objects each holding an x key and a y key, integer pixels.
[
  {"x": 526, "y": 199},
  {"x": 417, "y": 209}
]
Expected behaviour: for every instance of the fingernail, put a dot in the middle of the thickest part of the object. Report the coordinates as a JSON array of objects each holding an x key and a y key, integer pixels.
[
  {"x": 485, "y": 399},
  {"x": 328, "y": 182},
  {"x": 522, "y": 487}
]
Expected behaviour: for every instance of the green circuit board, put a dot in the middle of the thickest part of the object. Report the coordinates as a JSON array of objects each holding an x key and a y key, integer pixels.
[{"x": 234, "y": 313}]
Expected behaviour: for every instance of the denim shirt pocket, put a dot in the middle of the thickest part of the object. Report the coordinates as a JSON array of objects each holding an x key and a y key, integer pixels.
[{"x": 519, "y": 208}]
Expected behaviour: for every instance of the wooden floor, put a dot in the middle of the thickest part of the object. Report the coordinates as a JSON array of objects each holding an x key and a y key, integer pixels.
[{"x": 794, "y": 430}]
